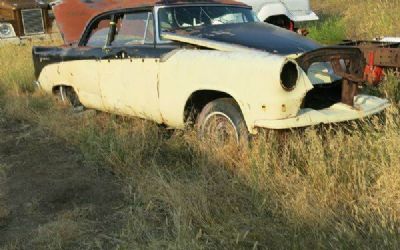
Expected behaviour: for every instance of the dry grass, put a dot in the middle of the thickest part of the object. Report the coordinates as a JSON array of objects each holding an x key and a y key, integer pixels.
[
  {"x": 365, "y": 19},
  {"x": 336, "y": 187},
  {"x": 4, "y": 210},
  {"x": 67, "y": 228}
]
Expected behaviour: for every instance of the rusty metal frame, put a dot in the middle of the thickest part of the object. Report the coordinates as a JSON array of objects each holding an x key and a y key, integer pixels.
[
  {"x": 347, "y": 62},
  {"x": 384, "y": 54},
  {"x": 356, "y": 62}
]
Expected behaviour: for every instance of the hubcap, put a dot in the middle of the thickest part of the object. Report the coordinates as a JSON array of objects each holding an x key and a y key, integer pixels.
[{"x": 220, "y": 128}]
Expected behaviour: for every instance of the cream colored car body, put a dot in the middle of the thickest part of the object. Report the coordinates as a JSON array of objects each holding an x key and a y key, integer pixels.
[{"x": 159, "y": 89}]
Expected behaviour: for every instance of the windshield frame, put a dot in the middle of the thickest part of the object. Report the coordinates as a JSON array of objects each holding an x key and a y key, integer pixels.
[{"x": 159, "y": 40}]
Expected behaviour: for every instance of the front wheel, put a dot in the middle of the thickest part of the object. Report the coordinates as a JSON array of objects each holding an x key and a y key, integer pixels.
[{"x": 222, "y": 121}]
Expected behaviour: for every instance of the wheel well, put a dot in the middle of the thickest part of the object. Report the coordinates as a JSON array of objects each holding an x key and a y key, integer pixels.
[
  {"x": 198, "y": 100},
  {"x": 56, "y": 88},
  {"x": 69, "y": 94}
]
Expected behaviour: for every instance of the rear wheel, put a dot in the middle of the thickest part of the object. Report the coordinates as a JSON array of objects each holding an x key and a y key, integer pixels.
[
  {"x": 222, "y": 122},
  {"x": 68, "y": 96}
]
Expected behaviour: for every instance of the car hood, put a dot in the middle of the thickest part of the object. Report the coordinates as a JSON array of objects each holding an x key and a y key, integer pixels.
[{"x": 260, "y": 36}]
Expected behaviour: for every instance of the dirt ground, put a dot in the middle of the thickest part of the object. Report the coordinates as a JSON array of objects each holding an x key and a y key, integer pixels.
[{"x": 49, "y": 197}]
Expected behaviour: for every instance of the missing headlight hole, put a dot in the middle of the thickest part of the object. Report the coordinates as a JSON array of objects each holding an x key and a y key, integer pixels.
[{"x": 289, "y": 76}]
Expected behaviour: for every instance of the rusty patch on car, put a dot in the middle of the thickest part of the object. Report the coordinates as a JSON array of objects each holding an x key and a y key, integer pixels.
[
  {"x": 73, "y": 15},
  {"x": 347, "y": 62},
  {"x": 356, "y": 62},
  {"x": 380, "y": 57}
]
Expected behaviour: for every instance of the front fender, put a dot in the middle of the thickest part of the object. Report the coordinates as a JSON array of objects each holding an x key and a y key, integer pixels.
[{"x": 251, "y": 78}]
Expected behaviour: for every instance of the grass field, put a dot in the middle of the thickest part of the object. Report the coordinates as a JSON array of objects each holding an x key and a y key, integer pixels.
[
  {"x": 333, "y": 187},
  {"x": 355, "y": 19}
]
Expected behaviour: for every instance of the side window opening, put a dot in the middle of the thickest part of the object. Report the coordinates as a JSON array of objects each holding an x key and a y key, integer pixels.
[
  {"x": 184, "y": 17},
  {"x": 134, "y": 29},
  {"x": 99, "y": 32}
]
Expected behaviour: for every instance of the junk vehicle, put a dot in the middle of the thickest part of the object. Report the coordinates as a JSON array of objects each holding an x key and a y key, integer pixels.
[
  {"x": 380, "y": 55},
  {"x": 210, "y": 63},
  {"x": 24, "y": 19},
  {"x": 283, "y": 13}
]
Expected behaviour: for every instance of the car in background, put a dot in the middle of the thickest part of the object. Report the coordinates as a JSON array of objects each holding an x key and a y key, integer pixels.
[
  {"x": 283, "y": 13},
  {"x": 24, "y": 19}
]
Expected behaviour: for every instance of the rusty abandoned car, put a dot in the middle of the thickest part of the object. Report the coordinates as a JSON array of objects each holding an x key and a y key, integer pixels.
[
  {"x": 24, "y": 19},
  {"x": 211, "y": 62}
]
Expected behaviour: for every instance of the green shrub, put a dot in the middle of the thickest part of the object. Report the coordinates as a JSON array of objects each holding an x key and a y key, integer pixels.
[{"x": 330, "y": 30}]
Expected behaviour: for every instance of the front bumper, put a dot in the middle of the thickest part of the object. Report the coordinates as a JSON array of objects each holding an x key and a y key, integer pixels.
[{"x": 365, "y": 106}]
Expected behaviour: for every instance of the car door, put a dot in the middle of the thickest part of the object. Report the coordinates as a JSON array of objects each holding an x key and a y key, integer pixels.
[
  {"x": 81, "y": 65},
  {"x": 129, "y": 77}
]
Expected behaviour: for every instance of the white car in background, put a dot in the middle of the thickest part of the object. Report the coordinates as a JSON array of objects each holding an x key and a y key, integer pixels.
[{"x": 283, "y": 13}]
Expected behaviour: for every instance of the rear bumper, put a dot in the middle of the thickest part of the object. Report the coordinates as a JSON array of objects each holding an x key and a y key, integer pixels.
[
  {"x": 365, "y": 106},
  {"x": 303, "y": 18}
]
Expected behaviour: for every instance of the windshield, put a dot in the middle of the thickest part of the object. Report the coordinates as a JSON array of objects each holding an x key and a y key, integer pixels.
[{"x": 173, "y": 18}]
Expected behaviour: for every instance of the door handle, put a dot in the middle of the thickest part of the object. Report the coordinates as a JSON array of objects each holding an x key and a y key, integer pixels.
[{"x": 106, "y": 49}]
